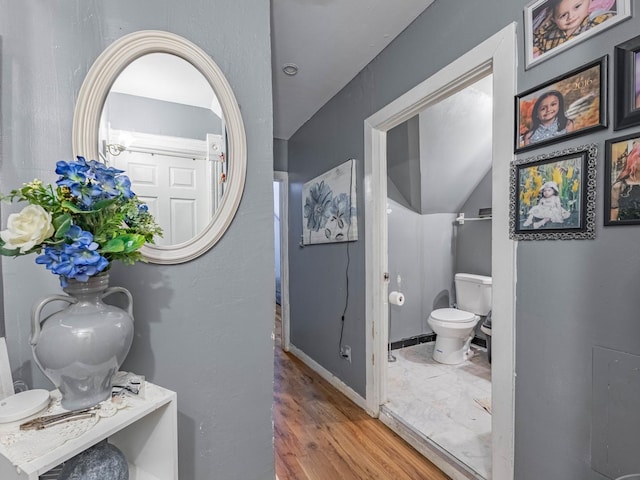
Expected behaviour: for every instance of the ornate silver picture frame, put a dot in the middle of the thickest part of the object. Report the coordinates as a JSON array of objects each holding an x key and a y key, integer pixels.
[{"x": 552, "y": 195}]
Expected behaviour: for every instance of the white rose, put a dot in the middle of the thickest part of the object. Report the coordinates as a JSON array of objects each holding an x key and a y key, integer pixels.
[{"x": 27, "y": 229}]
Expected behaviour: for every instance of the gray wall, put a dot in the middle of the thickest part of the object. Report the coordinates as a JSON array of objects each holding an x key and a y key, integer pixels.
[
  {"x": 473, "y": 239},
  {"x": 280, "y": 155},
  {"x": 405, "y": 261},
  {"x": 403, "y": 164},
  {"x": 203, "y": 328},
  {"x": 571, "y": 295},
  {"x": 148, "y": 115}
]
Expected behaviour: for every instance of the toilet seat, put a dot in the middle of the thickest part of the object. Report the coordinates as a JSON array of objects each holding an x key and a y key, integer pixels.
[{"x": 453, "y": 315}]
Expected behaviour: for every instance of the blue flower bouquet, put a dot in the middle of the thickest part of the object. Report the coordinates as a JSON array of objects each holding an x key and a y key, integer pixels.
[{"x": 78, "y": 228}]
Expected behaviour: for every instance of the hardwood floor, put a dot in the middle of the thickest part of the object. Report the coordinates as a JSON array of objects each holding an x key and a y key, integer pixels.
[{"x": 321, "y": 435}]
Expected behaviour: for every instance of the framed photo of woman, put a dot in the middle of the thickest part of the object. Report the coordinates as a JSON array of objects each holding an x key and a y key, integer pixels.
[
  {"x": 622, "y": 180},
  {"x": 553, "y": 195},
  {"x": 552, "y": 26},
  {"x": 567, "y": 106},
  {"x": 627, "y": 83}
]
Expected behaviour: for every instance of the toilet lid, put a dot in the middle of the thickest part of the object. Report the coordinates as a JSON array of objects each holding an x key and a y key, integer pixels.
[{"x": 452, "y": 315}]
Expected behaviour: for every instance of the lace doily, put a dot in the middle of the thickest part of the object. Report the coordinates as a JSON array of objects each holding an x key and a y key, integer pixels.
[{"x": 22, "y": 446}]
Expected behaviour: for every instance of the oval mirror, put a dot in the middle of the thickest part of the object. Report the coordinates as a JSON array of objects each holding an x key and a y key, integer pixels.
[{"x": 157, "y": 106}]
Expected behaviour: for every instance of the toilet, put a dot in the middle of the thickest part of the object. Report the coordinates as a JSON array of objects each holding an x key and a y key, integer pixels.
[{"x": 454, "y": 327}]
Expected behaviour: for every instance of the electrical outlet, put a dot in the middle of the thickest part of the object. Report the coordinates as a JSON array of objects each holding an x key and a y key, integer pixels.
[{"x": 345, "y": 352}]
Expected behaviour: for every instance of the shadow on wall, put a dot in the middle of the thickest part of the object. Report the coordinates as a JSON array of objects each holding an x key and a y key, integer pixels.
[{"x": 441, "y": 300}]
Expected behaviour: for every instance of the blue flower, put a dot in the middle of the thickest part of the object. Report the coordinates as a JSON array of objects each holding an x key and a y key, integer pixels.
[
  {"x": 92, "y": 219},
  {"x": 123, "y": 186},
  {"x": 72, "y": 172},
  {"x": 317, "y": 205},
  {"x": 80, "y": 237},
  {"x": 113, "y": 183},
  {"x": 341, "y": 209},
  {"x": 78, "y": 259}
]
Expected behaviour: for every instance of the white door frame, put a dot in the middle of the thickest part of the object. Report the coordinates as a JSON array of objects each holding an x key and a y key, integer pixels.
[
  {"x": 495, "y": 55},
  {"x": 283, "y": 179}
]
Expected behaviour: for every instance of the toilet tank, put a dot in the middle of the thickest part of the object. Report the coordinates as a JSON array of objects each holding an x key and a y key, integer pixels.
[{"x": 473, "y": 293}]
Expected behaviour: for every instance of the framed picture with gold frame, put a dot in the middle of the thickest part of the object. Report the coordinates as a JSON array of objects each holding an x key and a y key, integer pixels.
[{"x": 569, "y": 105}]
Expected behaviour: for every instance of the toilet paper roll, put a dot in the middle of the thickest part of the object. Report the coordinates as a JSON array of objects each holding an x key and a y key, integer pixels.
[{"x": 396, "y": 298}]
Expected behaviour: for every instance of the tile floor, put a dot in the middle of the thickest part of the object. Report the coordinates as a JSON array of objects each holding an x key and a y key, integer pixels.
[{"x": 443, "y": 402}]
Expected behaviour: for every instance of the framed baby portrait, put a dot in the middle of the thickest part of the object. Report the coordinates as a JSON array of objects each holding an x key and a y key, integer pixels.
[
  {"x": 552, "y": 196},
  {"x": 622, "y": 180},
  {"x": 572, "y": 104},
  {"x": 552, "y": 26},
  {"x": 627, "y": 84}
]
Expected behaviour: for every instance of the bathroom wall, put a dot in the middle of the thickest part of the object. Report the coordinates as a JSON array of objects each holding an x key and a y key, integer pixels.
[
  {"x": 426, "y": 251},
  {"x": 403, "y": 164},
  {"x": 405, "y": 261},
  {"x": 202, "y": 328},
  {"x": 566, "y": 290},
  {"x": 431, "y": 172},
  {"x": 473, "y": 239}
]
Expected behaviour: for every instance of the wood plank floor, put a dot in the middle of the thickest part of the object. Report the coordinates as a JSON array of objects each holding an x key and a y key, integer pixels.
[{"x": 321, "y": 435}]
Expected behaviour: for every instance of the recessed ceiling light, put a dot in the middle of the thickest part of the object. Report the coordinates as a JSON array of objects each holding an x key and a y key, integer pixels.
[{"x": 290, "y": 69}]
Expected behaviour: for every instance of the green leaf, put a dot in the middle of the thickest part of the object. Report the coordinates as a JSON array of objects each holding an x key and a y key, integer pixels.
[
  {"x": 104, "y": 203},
  {"x": 72, "y": 206},
  {"x": 132, "y": 242},
  {"x": 113, "y": 246},
  {"x": 9, "y": 253},
  {"x": 62, "y": 224}
]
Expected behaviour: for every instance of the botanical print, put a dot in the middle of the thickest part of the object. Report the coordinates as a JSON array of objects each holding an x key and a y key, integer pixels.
[
  {"x": 329, "y": 206},
  {"x": 550, "y": 195},
  {"x": 561, "y": 108}
]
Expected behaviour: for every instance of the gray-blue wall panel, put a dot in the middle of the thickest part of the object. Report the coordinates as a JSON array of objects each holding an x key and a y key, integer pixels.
[
  {"x": 203, "y": 328},
  {"x": 571, "y": 295}
]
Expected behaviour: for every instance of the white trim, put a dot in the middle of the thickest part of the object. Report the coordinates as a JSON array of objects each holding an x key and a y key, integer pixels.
[
  {"x": 283, "y": 179},
  {"x": 86, "y": 122},
  {"x": 338, "y": 384},
  {"x": 498, "y": 55},
  {"x": 162, "y": 144}
]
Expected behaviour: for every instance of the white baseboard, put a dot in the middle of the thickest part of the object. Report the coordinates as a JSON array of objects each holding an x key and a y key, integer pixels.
[{"x": 330, "y": 377}]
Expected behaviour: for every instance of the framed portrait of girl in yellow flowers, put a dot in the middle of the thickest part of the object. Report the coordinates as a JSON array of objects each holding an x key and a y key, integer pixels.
[{"x": 553, "y": 195}]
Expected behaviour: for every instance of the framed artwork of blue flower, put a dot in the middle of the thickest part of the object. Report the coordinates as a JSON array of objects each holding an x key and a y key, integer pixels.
[{"x": 329, "y": 206}]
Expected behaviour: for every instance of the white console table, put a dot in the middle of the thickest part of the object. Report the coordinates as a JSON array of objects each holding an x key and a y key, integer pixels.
[{"x": 145, "y": 430}]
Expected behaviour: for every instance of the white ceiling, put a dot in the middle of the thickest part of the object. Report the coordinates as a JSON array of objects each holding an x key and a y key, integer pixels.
[
  {"x": 330, "y": 41},
  {"x": 163, "y": 76}
]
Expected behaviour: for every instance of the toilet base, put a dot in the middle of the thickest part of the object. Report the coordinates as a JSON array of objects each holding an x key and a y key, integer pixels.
[{"x": 450, "y": 350}]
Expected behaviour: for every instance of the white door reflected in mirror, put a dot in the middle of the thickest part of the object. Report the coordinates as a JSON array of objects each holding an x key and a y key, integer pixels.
[
  {"x": 157, "y": 106},
  {"x": 154, "y": 125}
]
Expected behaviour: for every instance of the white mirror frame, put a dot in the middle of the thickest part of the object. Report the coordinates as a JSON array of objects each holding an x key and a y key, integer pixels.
[{"x": 86, "y": 121}]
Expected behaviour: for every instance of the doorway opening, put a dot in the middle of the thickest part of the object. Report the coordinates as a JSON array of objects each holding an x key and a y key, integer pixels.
[
  {"x": 281, "y": 260},
  {"x": 496, "y": 56}
]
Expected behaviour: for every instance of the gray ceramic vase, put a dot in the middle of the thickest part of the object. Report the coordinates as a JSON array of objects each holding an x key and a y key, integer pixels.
[{"x": 80, "y": 347}]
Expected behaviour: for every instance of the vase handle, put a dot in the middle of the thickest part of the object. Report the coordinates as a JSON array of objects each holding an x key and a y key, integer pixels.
[
  {"x": 37, "y": 309},
  {"x": 111, "y": 290}
]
